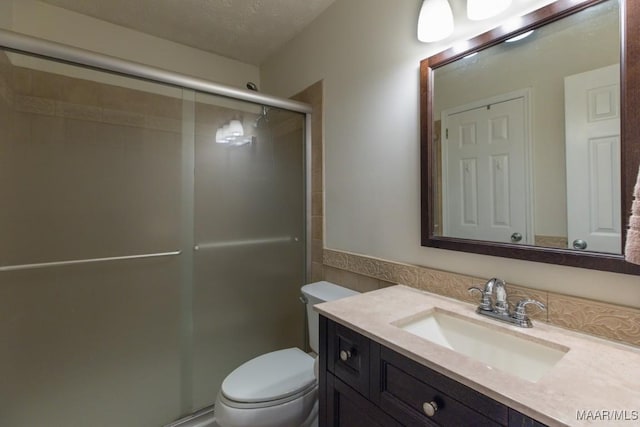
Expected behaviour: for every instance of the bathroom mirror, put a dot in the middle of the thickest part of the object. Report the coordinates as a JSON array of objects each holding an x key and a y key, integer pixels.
[{"x": 525, "y": 149}]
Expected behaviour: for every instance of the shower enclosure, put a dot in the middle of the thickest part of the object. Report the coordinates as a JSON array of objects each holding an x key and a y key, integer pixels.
[{"x": 143, "y": 256}]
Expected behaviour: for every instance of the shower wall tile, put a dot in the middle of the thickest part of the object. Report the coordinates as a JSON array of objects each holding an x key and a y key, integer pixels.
[
  {"x": 163, "y": 123},
  {"x": 21, "y": 80},
  {"x": 48, "y": 85},
  {"x": 81, "y": 92},
  {"x": 46, "y": 129},
  {"x": 6, "y": 92},
  {"x": 313, "y": 95},
  {"x": 316, "y": 181},
  {"x": 317, "y": 272},
  {"x": 4, "y": 59},
  {"x": 206, "y": 128},
  {"x": 120, "y": 98},
  {"x": 42, "y": 93},
  {"x": 317, "y": 203},
  {"x": 125, "y": 118},
  {"x": 316, "y": 227},
  {"x": 316, "y": 250},
  {"x": 604, "y": 320},
  {"x": 78, "y": 111},
  {"x": 33, "y": 104},
  {"x": 164, "y": 106}
]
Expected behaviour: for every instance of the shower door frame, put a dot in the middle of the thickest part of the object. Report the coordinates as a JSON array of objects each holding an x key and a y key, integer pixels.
[
  {"x": 21, "y": 43},
  {"x": 56, "y": 51}
]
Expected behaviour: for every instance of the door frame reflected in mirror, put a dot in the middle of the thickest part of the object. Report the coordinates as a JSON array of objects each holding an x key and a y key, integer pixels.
[{"x": 629, "y": 145}]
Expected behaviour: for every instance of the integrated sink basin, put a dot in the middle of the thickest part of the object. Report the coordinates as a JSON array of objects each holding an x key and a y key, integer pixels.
[{"x": 527, "y": 358}]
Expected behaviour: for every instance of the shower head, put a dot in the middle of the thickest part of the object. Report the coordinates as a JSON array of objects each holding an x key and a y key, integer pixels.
[{"x": 263, "y": 119}]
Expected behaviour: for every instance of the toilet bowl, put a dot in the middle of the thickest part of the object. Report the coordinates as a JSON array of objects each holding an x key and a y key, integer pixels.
[{"x": 279, "y": 388}]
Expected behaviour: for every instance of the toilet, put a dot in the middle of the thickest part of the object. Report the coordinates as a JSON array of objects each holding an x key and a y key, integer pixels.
[{"x": 280, "y": 388}]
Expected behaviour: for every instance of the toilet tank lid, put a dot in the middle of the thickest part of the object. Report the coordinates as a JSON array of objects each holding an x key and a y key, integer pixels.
[
  {"x": 269, "y": 377},
  {"x": 327, "y": 291}
]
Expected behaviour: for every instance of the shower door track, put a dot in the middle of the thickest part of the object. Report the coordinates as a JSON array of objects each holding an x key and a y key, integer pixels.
[
  {"x": 45, "y": 48},
  {"x": 86, "y": 261}
]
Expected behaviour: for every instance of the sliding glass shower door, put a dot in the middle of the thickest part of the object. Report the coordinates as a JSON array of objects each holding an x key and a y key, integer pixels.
[
  {"x": 140, "y": 260},
  {"x": 249, "y": 236}
]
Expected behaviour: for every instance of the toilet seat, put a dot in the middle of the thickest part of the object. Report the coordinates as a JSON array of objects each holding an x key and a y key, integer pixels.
[{"x": 271, "y": 379}]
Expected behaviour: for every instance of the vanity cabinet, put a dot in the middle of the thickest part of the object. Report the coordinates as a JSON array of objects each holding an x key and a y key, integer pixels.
[{"x": 363, "y": 383}]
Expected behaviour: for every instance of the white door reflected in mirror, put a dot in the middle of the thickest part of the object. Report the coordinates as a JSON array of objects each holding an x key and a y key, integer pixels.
[
  {"x": 484, "y": 172},
  {"x": 592, "y": 121}
]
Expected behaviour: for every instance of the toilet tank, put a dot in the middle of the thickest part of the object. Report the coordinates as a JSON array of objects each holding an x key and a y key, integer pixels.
[{"x": 315, "y": 293}]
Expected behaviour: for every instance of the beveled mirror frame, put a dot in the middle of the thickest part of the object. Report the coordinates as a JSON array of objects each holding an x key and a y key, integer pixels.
[{"x": 629, "y": 144}]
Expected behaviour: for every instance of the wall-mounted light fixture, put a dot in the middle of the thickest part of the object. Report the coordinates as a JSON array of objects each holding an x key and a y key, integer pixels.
[
  {"x": 435, "y": 21},
  {"x": 477, "y": 10},
  {"x": 232, "y": 133}
]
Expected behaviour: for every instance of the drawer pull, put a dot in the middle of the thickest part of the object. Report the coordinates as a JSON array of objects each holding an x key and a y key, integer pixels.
[
  {"x": 345, "y": 355},
  {"x": 430, "y": 408}
]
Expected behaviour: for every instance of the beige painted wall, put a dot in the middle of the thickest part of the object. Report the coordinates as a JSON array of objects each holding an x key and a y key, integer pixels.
[
  {"x": 56, "y": 24},
  {"x": 6, "y": 14},
  {"x": 368, "y": 55}
]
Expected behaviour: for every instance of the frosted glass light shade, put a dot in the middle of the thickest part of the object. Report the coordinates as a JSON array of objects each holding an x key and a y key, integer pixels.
[
  {"x": 220, "y": 138},
  {"x": 226, "y": 133},
  {"x": 478, "y": 10},
  {"x": 235, "y": 128},
  {"x": 435, "y": 21}
]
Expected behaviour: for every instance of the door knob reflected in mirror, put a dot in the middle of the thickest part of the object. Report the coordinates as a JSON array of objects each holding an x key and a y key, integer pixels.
[
  {"x": 579, "y": 244},
  {"x": 516, "y": 237}
]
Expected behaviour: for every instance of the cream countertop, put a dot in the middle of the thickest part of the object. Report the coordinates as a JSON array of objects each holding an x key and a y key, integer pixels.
[{"x": 593, "y": 377}]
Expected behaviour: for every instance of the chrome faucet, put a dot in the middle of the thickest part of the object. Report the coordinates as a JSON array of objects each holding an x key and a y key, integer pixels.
[{"x": 500, "y": 309}]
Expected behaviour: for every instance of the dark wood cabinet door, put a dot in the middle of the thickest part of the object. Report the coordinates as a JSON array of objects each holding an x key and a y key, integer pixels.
[
  {"x": 348, "y": 357},
  {"x": 348, "y": 408},
  {"x": 516, "y": 419}
]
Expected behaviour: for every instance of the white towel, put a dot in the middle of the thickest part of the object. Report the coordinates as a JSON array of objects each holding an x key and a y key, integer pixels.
[{"x": 632, "y": 246}]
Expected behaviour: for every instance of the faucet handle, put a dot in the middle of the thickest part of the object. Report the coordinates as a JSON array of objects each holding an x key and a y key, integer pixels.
[
  {"x": 520, "y": 314},
  {"x": 485, "y": 303},
  {"x": 501, "y": 304}
]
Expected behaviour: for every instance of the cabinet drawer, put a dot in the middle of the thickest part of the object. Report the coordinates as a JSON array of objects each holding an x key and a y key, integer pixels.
[
  {"x": 348, "y": 357},
  {"x": 405, "y": 387}
]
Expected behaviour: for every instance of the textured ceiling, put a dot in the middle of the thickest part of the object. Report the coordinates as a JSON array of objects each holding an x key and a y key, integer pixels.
[{"x": 246, "y": 30}]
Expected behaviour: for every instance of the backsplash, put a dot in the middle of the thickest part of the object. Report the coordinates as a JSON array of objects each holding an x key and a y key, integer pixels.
[{"x": 604, "y": 320}]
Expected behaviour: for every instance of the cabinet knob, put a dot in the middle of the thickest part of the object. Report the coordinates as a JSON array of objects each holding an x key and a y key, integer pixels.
[
  {"x": 430, "y": 408},
  {"x": 345, "y": 355}
]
